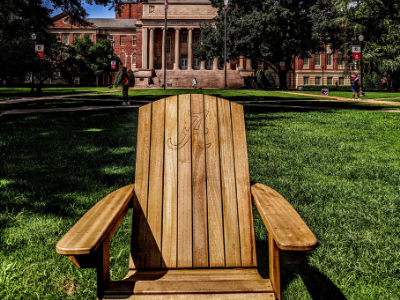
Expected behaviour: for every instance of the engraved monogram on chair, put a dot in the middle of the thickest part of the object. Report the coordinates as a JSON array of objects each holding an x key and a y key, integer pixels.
[{"x": 197, "y": 128}]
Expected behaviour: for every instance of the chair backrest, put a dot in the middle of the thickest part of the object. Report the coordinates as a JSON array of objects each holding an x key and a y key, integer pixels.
[{"x": 192, "y": 204}]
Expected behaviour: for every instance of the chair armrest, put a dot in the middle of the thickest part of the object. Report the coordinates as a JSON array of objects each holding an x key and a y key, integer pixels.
[
  {"x": 99, "y": 222},
  {"x": 282, "y": 221}
]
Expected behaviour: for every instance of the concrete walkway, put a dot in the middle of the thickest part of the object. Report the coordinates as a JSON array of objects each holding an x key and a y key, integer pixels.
[{"x": 345, "y": 99}]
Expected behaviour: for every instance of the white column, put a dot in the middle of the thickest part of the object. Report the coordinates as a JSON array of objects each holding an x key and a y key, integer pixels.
[
  {"x": 241, "y": 63},
  {"x": 163, "y": 47},
  {"x": 151, "y": 52},
  {"x": 177, "y": 46},
  {"x": 144, "y": 48},
  {"x": 248, "y": 64},
  {"x": 215, "y": 64},
  {"x": 190, "y": 54}
]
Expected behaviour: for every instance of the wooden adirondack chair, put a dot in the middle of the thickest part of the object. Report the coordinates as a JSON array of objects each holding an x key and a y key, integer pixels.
[{"x": 193, "y": 235}]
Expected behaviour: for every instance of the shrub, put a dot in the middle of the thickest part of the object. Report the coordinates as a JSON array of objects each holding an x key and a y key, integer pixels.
[
  {"x": 343, "y": 88},
  {"x": 270, "y": 79},
  {"x": 377, "y": 80},
  {"x": 261, "y": 80},
  {"x": 368, "y": 83}
]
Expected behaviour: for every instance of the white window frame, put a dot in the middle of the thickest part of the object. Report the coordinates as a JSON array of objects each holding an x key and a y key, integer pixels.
[
  {"x": 306, "y": 80},
  {"x": 341, "y": 80},
  {"x": 63, "y": 36},
  {"x": 329, "y": 63},
  {"x": 134, "y": 40},
  {"x": 319, "y": 58},
  {"x": 318, "y": 79},
  {"x": 329, "y": 79}
]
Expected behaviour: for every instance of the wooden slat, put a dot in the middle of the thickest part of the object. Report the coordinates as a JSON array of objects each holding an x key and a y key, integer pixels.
[
  {"x": 274, "y": 266},
  {"x": 245, "y": 212},
  {"x": 91, "y": 230},
  {"x": 238, "y": 296},
  {"x": 215, "y": 220},
  {"x": 231, "y": 231},
  {"x": 170, "y": 205},
  {"x": 282, "y": 221},
  {"x": 194, "y": 275},
  {"x": 196, "y": 282},
  {"x": 139, "y": 224},
  {"x": 198, "y": 287},
  {"x": 200, "y": 238},
  {"x": 155, "y": 202},
  {"x": 184, "y": 148}
]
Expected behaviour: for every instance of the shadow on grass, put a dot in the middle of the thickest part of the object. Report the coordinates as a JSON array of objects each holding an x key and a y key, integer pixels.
[
  {"x": 318, "y": 285},
  {"x": 54, "y": 163}
]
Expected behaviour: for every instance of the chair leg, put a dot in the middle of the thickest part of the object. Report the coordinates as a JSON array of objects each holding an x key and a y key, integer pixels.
[
  {"x": 103, "y": 267},
  {"x": 274, "y": 266}
]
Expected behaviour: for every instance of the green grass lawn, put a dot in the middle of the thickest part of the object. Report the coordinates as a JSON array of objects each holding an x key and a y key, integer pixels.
[
  {"x": 383, "y": 96},
  {"x": 15, "y": 93},
  {"x": 339, "y": 169}
]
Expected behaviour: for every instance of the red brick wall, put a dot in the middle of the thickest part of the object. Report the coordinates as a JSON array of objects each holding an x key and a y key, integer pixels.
[{"x": 130, "y": 11}]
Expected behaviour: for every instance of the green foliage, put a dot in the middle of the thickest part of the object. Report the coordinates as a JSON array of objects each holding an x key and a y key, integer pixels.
[
  {"x": 270, "y": 79},
  {"x": 368, "y": 83},
  {"x": 268, "y": 30},
  {"x": 377, "y": 80},
  {"x": 261, "y": 79},
  {"x": 18, "y": 20},
  {"x": 345, "y": 88},
  {"x": 86, "y": 59},
  {"x": 379, "y": 23}
]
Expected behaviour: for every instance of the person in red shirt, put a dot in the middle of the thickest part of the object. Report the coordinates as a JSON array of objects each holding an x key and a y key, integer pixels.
[
  {"x": 126, "y": 82},
  {"x": 355, "y": 86}
]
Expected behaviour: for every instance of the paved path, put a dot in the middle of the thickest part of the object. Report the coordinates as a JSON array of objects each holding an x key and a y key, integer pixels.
[{"x": 345, "y": 99}]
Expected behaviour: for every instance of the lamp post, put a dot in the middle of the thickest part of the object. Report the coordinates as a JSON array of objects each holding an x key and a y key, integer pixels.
[
  {"x": 110, "y": 80},
  {"x": 361, "y": 39}
]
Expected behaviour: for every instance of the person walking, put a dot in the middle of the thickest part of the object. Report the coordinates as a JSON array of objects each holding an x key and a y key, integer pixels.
[
  {"x": 126, "y": 79},
  {"x": 194, "y": 83},
  {"x": 355, "y": 86}
]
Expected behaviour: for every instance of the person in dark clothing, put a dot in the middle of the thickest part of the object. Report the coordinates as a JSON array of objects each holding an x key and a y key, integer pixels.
[
  {"x": 355, "y": 86},
  {"x": 126, "y": 82}
]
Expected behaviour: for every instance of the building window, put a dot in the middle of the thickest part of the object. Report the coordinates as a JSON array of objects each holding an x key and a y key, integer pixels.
[
  {"x": 122, "y": 39},
  {"x": 306, "y": 62},
  {"x": 91, "y": 37},
  {"x": 110, "y": 38},
  {"x": 260, "y": 63},
  {"x": 184, "y": 37},
  {"x": 317, "y": 59},
  {"x": 197, "y": 37},
  {"x": 134, "y": 58},
  {"x": 210, "y": 63},
  {"x": 77, "y": 36},
  {"x": 155, "y": 37},
  {"x": 329, "y": 81},
  {"x": 65, "y": 39},
  {"x": 329, "y": 61},
  {"x": 317, "y": 80},
  {"x": 168, "y": 43},
  {"x": 306, "y": 80},
  {"x": 341, "y": 80},
  {"x": 66, "y": 21},
  {"x": 134, "y": 41}
]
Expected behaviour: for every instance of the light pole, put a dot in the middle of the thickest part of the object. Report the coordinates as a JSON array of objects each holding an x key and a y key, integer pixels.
[
  {"x": 110, "y": 79},
  {"x": 361, "y": 39}
]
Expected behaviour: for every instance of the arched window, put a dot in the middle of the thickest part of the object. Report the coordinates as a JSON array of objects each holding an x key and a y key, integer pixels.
[{"x": 134, "y": 60}]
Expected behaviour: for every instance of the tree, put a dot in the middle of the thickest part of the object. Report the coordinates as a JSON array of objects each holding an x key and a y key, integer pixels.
[
  {"x": 379, "y": 23},
  {"x": 19, "y": 19},
  {"x": 85, "y": 59},
  {"x": 272, "y": 31}
]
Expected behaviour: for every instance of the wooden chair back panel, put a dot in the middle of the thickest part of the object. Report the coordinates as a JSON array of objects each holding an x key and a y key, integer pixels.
[{"x": 192, "y": 205}]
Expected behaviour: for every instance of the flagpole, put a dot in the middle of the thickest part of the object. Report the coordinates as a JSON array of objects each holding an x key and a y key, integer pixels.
[
  {"x": 165, "y": 45},
  {"x": 225, "y": 50}
]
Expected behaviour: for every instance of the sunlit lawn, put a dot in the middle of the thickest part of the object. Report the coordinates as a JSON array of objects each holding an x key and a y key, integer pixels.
[{"x": 339, "y": 169}]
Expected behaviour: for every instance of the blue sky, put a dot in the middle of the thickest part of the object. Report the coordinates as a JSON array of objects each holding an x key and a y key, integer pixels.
[{"x": 94, "y": 11}]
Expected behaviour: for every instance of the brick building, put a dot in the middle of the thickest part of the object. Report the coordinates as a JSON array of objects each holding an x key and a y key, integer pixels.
[{"x": 138, "y": 34}]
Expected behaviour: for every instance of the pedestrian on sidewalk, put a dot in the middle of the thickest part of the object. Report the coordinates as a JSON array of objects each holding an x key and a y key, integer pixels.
[
  {"x": 355, "y": 86},
  {"x": 194, "y": 83},
  {"x": 4, "y": 82},
  {"x": 126, "y": 79}
]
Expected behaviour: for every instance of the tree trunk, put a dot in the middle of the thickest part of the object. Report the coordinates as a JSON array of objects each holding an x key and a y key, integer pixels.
[
  {"x": 282, "y": 80},
  {"x": 39, "y": 88}
]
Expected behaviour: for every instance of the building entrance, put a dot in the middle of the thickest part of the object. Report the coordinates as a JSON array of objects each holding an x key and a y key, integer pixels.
[{"x": 184, "y": 62}]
